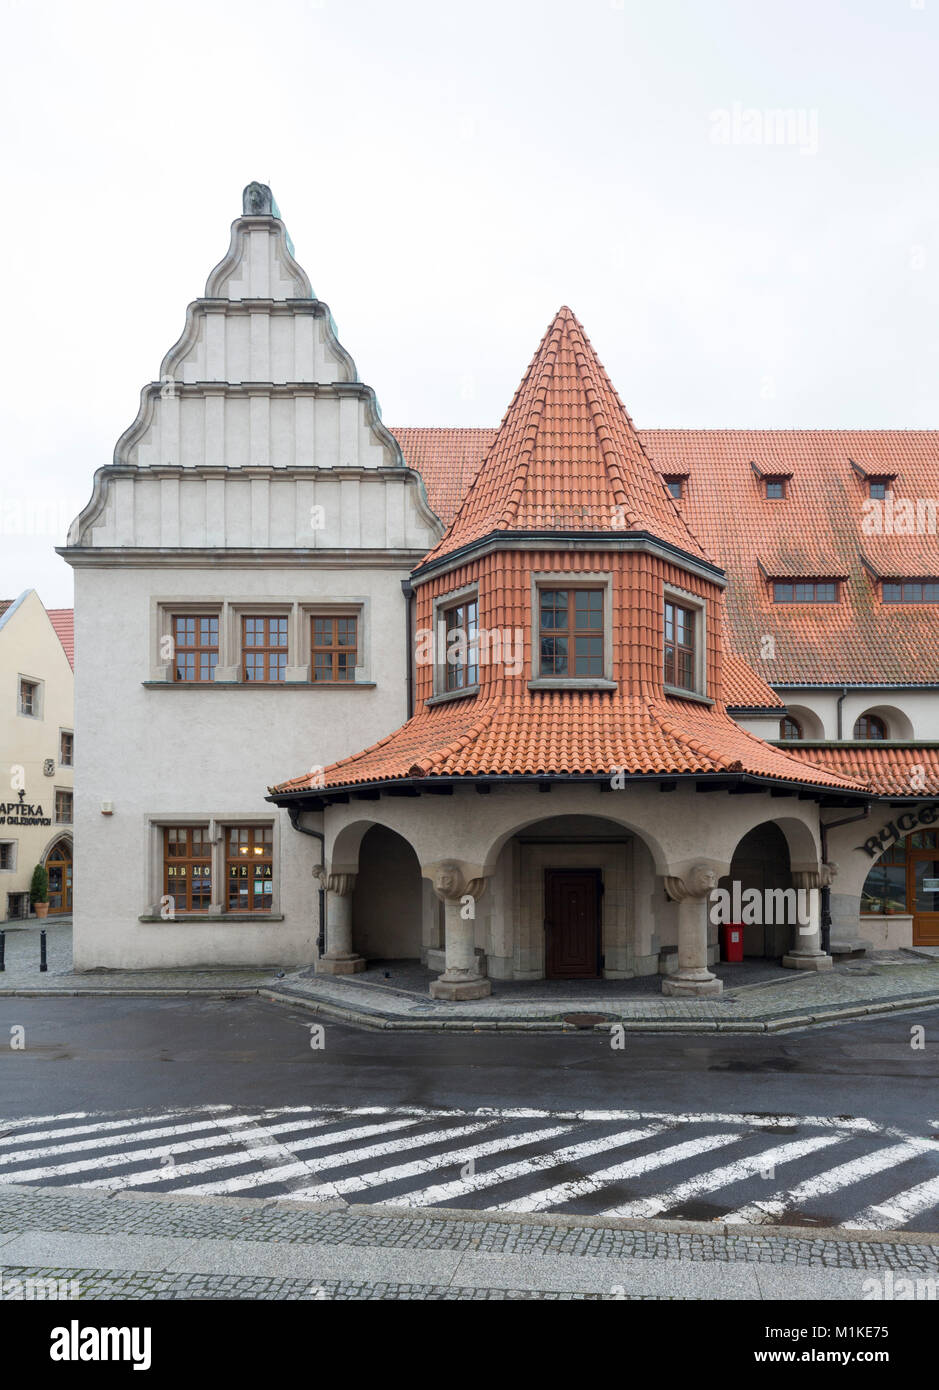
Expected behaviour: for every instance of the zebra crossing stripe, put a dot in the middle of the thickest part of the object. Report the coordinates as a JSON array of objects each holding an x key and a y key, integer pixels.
[
  {"x": 135, "y": 1136},
  {"x": 899, "y": 1209},
  {"x": 304, "y": 1168},
  {"x": 72, "y": 1131},
  {"x": 582, "y": 1187},
  {"x": 442, "y": 1192},
  {"x": 380, "y": 1176},
  {"x": 258, "y": 1153},
  {"x": 832, "y": 1180},
  {"x": 220, "y": 1139},
  {"x": 722, "y": 1177}
]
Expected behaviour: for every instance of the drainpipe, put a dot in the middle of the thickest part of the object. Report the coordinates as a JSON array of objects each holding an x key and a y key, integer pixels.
[
  {"x": 824, "y": 827},
  {"x": 408, "y": 591},
  {"x": 841, "y": 699},
  {"x": 294, "y": 813}
]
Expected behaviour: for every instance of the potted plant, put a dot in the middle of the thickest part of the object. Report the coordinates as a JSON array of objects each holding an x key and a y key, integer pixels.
[{"x": 39, "y": 891}]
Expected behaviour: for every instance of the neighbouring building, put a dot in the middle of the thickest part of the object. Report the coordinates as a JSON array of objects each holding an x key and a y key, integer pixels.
[
  {"x": 517, "y": 702},
  {"x": 37, "y": 753}
]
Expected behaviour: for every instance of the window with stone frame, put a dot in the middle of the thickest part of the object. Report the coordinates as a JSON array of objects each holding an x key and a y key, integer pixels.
[
  {"x": 680, "y": 646},
  {"x": 461, "y": 654},
  {"x": 195, "y": 646},
  {"x": 264, "y": 647},
  {"x": 63, "y": 808},
  {"x": 66, "y": 748},
  {"x": 28, "y": 700},
  {"x": 187, "y": 867},
  {"x": 570, "y": 632},
  {"x": 334, "y": 647},
  {"x": 249, "y": 867}
]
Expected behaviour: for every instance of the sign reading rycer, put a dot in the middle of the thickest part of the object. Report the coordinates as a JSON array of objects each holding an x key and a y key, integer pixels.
[
  {"x": 22, "y": 813},
  {"x": 896, "y": 829}
]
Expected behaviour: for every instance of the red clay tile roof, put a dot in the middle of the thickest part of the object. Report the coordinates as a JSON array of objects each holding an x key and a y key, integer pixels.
[
  {"x": 817, "y": 530},
  {"x": 890, "y": 771},
  {"x": 744, "y": 688},
  {"x": 566, "y": 457},
  {"x": 568, "y": 732},
  {"x": 6, "y": 603},
  {"x": 447, "y": 459},
  {"x": 63, "y": 620}
]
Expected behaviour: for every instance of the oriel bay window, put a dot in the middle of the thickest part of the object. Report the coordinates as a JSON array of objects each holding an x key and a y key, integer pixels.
[
  {"x": 264, "y": 648},
  {"x": 187, "y": 867},
  {"x": 195, "y": 646},
  {"x": 680, "y": 646},
  {"x": 334, "y": 648},
  {"x": 570, "y": 632},
  {"x": 249, "y": 867}
]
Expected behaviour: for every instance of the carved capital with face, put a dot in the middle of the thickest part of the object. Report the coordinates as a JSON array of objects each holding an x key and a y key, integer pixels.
[
  {"x": 449, "y": 882},
  {"x": 826, "y": 873},
  {"x": 697, "y": 883}
]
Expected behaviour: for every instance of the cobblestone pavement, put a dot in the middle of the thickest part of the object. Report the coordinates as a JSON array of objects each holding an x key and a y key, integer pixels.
[
  {"x": 779, "y": 999},
  {"x": 737, "y": 1168},
  {"x": 116, "y": 1284},
  {"x": 190, "y": 1248}
]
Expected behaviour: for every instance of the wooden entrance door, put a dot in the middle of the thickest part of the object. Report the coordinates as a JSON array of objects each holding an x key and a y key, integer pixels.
[
  {"x": 572, "y": 924},
  {"x": 922, "y": 886},
  {"x": 59, "y": 869}
]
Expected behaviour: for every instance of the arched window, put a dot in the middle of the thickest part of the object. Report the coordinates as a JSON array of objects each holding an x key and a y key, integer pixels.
[
  {"x": 790, "y": 728},
  {"x": 870, "y": 726}
]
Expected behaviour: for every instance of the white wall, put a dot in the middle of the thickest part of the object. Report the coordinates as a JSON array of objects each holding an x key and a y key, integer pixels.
[{"x": 204, "y": 750}]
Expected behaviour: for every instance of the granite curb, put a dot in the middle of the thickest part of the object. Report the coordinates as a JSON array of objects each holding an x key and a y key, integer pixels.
[{"x": 378, "y": 1019}]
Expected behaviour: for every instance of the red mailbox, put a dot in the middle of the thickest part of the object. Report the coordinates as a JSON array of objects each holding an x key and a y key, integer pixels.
[{"x": 732, "y": 942}]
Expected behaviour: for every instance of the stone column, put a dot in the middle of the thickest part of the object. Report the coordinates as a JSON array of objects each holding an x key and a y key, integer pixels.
[
  {"x": 692, "y": 979},
  {"x": 807, "y": 953},
  {"x": 340, "y": 958},
  {"x": 462, "y": 978}
]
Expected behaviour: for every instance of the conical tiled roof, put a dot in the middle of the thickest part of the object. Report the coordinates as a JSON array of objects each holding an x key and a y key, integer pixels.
[{"x": 566, "y": 457}]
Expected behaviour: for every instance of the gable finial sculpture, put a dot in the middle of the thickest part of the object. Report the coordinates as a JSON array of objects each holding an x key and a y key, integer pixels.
[{"x": 257, "y": 200}]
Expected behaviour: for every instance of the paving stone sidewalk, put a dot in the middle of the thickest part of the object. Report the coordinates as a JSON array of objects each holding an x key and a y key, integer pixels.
[
  {"x": 880, "y": 982},
  {"x": 143, "y": 1246}
]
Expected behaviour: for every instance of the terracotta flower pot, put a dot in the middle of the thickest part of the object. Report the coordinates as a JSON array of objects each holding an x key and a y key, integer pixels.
[{"x": 41, "y": 909}]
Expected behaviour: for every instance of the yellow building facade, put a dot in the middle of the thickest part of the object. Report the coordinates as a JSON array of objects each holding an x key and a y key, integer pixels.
[{"x": 37, "y": 754}]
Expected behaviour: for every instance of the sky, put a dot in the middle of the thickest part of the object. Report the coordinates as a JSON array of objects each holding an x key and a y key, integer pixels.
[{"x": 738, "y": 200}]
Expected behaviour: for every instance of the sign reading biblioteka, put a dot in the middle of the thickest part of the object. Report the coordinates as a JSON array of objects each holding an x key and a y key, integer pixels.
[
  {"x": 896, "y": 829},
  {"x": 22, "y": 813}
]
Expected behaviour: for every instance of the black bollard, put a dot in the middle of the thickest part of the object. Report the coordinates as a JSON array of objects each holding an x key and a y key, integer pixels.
[
  {"x": 3, "y": 947},
  {"x": 42, "y": 951}
]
